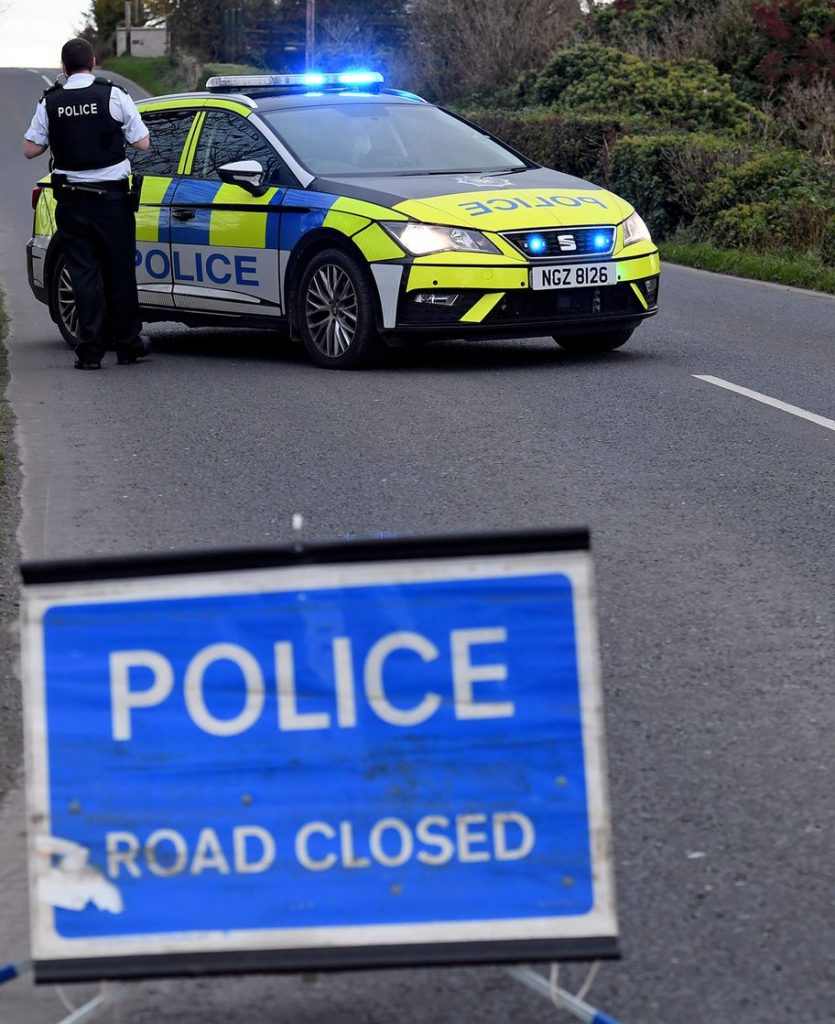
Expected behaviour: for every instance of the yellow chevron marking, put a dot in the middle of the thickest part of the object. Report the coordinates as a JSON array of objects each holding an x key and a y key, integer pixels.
[
  {"x": 640, "y": 294},
  {"x": 480, "y": 310}
]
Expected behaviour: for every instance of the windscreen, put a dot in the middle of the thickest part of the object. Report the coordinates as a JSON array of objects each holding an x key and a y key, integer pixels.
[{"x": 374, "y": 138}]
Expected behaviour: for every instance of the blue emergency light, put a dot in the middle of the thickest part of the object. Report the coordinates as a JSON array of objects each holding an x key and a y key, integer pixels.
[
  {"x": 536, "y": 244},
  {"x": 312, "y": 80}
]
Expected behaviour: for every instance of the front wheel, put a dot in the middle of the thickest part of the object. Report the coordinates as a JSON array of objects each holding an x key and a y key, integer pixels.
[
  {"x": 589, "y": 344},
  {"x": 62, "y": 302},
  {"x": 336, "y": 311}
]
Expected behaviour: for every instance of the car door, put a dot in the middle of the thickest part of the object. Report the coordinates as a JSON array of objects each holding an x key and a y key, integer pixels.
[
  {"x": 224, "y": 239},
  {"x": 159, "y": 165}
]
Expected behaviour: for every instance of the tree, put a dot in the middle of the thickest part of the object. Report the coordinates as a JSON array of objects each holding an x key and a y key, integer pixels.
[
  {"x": 467, "y": 49},
  {"x": 800, "y": 40},
  {"x": 366, "y": 33},
  {"x": 762, "y": 44}
]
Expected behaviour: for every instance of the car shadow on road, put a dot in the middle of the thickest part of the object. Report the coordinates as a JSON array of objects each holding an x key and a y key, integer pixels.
[{"x": 444, "y": 357}]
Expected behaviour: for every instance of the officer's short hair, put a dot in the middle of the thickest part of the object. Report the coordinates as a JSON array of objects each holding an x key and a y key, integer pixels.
[{"x": 77, "y": 55}]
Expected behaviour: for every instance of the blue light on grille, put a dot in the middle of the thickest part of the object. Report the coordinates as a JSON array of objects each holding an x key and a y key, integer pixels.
[
  {"x": 601, "y": 241},
  {"x": 536, "y": 243}
]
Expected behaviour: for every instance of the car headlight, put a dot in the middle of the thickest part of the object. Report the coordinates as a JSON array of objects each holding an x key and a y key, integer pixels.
[
  {"x": 422, "y": 239},
  {"x": 634, "y": 230}
]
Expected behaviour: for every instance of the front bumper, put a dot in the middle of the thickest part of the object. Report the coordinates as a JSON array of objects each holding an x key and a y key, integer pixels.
[{"x": 450, "y": 300}]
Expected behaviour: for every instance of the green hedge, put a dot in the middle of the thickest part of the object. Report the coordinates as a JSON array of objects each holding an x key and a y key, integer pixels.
[
  {"x": 666, "y": 176},
  {"x": 157, "y": 75},
  {"x": 576, "y": 145},
  {"x": 776, "y": 176},
  {"x": 775, "y": 203},
  {"x": 161, "y": 75},
  {"x": 688, "y": 95}
]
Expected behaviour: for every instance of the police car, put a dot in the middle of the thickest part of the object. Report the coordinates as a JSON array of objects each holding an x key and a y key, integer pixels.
[{"x": 352, "y": 215}]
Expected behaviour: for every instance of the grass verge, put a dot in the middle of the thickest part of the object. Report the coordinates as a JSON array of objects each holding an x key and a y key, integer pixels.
[
  {"x": 800, "y": 272},
  {"x": 156, "y": 74},
  {"x": 160, "y": 75}
]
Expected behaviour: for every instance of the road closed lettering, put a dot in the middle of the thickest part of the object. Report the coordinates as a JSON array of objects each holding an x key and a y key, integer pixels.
[{"x": 434, "y": 840}]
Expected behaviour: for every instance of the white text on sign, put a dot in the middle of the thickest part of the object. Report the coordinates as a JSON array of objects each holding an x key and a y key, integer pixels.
[
  {"x": 126, "y": 700},
  {"x": 434, "y": 840}
]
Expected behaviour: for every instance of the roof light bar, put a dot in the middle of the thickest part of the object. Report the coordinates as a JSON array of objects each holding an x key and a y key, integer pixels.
[{"x": 305, "y": 81}]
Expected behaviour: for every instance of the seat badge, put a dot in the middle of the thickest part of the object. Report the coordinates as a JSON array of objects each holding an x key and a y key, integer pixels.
[{"x": 485, "y": 182}]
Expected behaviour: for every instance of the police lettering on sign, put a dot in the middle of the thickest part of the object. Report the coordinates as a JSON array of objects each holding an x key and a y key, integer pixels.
[{"x": 374, "y": 753}]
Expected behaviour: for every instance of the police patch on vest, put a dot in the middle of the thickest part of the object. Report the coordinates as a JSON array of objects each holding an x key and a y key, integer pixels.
[{"x": 79, "y": 110}]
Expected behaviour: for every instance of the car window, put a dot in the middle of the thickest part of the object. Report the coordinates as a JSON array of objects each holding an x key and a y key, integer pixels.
[
  {"x": 168, "y": 130},
  {"x": 226, "y": 138},
  {"x": 380, "y": 138}
]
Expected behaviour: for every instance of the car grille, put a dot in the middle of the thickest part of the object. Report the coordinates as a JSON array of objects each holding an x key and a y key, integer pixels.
[
  {"x": 563, "y": 243},
  {"x": 527, "y": 306},
  {"x": 558, "y": 304}
]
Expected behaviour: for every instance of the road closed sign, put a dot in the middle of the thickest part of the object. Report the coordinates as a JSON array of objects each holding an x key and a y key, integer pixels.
[{"x": 373, "y": 753}]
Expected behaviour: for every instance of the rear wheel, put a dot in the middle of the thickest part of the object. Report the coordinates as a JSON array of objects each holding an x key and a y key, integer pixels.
[
  {"x": 336, "y": 311},
  {"x": 62, "y": 302},
  {"x": 605, "y": 341}
]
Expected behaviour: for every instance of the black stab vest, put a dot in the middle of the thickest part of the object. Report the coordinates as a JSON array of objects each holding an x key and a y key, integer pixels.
[{"x": 82, "y": 134}]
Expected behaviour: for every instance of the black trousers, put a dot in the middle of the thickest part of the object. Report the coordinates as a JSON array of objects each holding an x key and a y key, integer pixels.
[{"x": 97, "y": 234}]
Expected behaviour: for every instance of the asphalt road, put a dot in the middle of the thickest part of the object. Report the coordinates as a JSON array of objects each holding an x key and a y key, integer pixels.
[{"x": 713, "y": 526}]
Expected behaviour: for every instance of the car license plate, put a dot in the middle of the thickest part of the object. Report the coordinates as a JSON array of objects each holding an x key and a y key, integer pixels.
[{"x": 576, "y": 275}]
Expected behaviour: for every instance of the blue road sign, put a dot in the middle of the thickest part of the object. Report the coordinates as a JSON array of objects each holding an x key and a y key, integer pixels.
[{"x": 395, "y": 759}]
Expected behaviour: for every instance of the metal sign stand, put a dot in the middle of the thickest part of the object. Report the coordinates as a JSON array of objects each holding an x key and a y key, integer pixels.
[{"x": 531, "y": 979}]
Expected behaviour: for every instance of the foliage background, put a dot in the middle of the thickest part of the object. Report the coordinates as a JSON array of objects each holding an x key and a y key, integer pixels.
[{"x": 716, "y": 118}]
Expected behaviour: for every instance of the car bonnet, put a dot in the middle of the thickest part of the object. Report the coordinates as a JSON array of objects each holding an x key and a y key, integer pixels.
[{"x": 535, "y": 198}]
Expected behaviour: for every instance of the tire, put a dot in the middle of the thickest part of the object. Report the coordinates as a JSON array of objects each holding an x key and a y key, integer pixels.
[
  {"x": 589, "y": 344},
  {"x": 335, "y": 310},
  {"x": 62, "y": 302}
]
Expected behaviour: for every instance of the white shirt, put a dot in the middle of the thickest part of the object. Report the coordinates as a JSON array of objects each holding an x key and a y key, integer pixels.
[{"x": 122, "y": 108}]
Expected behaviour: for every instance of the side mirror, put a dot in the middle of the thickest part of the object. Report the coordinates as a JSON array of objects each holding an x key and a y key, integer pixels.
[{"x": 248, "y": 174}]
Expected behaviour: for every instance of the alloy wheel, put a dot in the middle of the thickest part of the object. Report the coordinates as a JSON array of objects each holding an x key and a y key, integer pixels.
[
  {"x": 67, "y": 310},
  {"x": 331, "y": 310}
]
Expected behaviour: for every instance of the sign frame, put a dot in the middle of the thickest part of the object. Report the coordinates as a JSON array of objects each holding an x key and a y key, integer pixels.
[{"x": 45, "y": 580}]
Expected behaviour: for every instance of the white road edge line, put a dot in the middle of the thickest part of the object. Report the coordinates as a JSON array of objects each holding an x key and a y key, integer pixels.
[
  {"x": 795, "y": 410},
  {"x": 43, "y": 76}
]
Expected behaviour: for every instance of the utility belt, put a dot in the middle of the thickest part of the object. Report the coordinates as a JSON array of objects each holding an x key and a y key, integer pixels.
[{"x": 62, "y": 188}]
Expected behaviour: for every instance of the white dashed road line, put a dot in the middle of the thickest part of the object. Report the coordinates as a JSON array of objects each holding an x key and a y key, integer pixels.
[
  {"x": 795, "y": 410},
  {"x": 43, "y": 76}
]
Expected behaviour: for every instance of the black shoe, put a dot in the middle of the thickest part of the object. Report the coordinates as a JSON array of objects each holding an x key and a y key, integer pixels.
[
  {"x": 86, "y": 364},
  {"x": 133, "y": 353}
]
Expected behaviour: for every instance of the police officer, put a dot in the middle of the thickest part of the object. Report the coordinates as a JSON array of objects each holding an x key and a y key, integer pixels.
[{"x": 87, "y": 122}]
